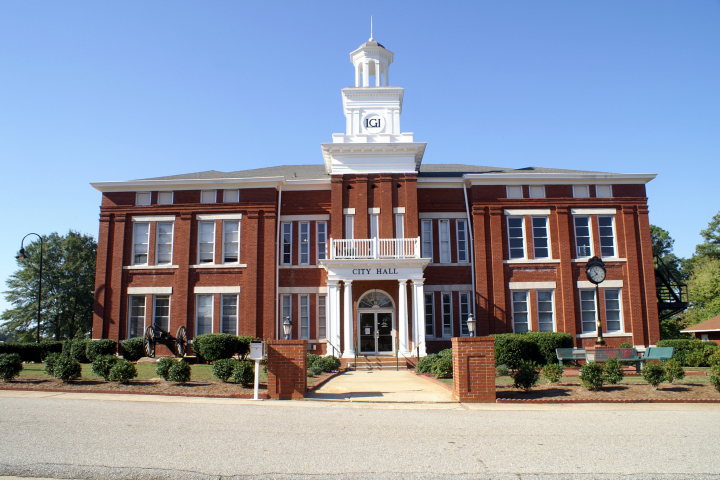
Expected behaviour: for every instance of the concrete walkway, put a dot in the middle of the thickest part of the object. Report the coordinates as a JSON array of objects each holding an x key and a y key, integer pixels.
[{"x": 381, "y": 386}]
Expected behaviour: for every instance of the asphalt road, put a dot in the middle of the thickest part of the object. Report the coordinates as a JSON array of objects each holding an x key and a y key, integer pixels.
[{"x": 178, "y": 439}]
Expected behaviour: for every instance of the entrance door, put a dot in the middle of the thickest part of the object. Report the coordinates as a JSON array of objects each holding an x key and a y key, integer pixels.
[{"x": 376, "y": 332}]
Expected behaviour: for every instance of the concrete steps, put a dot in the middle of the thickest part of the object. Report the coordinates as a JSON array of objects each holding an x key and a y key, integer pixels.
[{"x": 366, "y": 362}]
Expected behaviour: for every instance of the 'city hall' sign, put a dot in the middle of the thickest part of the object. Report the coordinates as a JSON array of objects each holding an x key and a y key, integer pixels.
[{"x": 376, "y": 271}]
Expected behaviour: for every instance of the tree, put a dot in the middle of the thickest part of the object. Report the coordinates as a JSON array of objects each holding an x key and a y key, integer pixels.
[
  {"x": 67, "y": 289},
  {"x": 710, "y": 248},
  {"x": 663, "y": 244},
  {"x": 704, "y": 292}
]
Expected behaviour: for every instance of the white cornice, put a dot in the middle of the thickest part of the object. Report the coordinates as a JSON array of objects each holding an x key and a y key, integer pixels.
[
  {"x": 187, "y": 184},
  {"x": 555, "y": 178}
]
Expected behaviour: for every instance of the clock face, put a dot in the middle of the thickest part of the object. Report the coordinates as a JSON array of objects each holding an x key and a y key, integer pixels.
[{"x": 596, "y": 274}]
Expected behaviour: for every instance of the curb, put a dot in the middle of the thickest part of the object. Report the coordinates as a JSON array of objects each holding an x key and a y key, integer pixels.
[
  {"x": 637, "y": 400},
  {"x": 264, "y": 396}
]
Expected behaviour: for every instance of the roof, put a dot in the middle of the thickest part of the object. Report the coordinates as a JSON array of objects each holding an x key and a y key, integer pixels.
[
  {"x": 710, "y": 325},
  {"x": 371, "y": 43}
]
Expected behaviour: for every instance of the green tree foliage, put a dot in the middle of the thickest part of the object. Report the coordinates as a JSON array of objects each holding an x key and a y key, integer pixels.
[
  {"x": 662, "y": 244},
  {"x": 68, "y": 286},
  {"x": 704, "y": 292},
  {"x": 710, "y": 248}
]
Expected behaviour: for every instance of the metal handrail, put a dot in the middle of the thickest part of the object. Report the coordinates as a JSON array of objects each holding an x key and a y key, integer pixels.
[
  {"x": 417, "y": 347},
  {"x": 357, "y": 347},
  {"x": 335, "y": 349},
  {"x": 397, "y": 358}
]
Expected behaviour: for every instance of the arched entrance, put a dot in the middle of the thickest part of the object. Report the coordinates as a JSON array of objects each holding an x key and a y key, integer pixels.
[{"x": 376, "y": 323}]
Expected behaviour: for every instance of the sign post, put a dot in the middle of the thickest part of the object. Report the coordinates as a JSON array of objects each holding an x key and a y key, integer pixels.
[{"x": 257, "y": 353}]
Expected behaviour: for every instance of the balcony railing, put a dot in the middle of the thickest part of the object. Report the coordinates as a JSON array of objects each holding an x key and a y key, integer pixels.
[{"x": 372, "y": 248}]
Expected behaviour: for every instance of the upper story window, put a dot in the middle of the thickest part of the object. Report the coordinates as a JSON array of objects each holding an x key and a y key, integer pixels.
[
  {"x": 537, "y": 191},
  {"x": 603, "y": 191},
  {"x": 231, "y": 196},
  {"x": 349, "y": 226},
  {"x": 514, "y": 191},
  {"x": 607, "y": 235},
  {"x": 462, "y": 254},
  {"x": 164, "y": 246},
  {"x": 165, "y": 198},
  {"x": 540, "y": 237},
  {"x": 321, "y": 240},
  {"x": 444, "y": 233},
  {"x": 399, "y": 225},
  {"x": 142, "y": 198},
  {"x": 374, "y": 225},
  {"x": 206, "y": 242},
  {"x": 208, "y": 196},
  {"x": 304, "y": 243},
  {"x": 231, "y": 241},
  {"x": 141, "y": 240},
  {"x": 426, "y": 234},
  {"x": 516, "y": 237},
  {"x": 286, "y": 243},
  {"x": 581, "y": 191},
  {"x": 583, "y": 240}
]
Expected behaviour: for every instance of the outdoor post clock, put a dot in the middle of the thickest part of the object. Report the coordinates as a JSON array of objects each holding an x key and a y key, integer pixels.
[{"x": 596, "y": 273}]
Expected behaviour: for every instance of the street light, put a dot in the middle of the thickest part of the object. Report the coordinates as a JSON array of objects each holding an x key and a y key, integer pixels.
[
  {"x": 21, "y": 255},
  {"x": 471, "y": 325},
  {"x": 287, "y": 328}
]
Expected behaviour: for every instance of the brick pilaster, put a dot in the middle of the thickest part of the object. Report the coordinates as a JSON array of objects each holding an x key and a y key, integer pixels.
[
  {"x": 474, "y": 369},
  {"x": 287, "y": 365}
]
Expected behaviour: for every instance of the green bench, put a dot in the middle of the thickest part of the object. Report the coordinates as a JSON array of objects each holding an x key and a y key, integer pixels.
[
  {"x": 622, "y": 354},
  {"x": 570, "y": 354},
  {"x": 657, "y": 353}
]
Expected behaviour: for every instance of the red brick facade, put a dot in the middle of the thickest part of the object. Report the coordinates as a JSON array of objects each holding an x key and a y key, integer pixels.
[
  {"x": 287, "y": 369},
  {"x": 474, "y": 369}
]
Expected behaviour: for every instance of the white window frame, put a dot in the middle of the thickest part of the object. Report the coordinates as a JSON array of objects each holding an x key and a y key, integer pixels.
[
  {"x": 212, "y": 312},
  {"x": 225, "y": 242},
  {"x": 399, "y": 225},
  {"x": 604, "y": 191},
  {"x": 590, "y": 233},
  {"x": 157, "y": 242},
  {"x": 160, "y": 195},
  {"x": 154, "y": 313},
  {"x": 537, "y": 191},
  {"x": 547, "y": 236},
  {"x": 552, "y": 308},
  {"x": 620, "y": 320},
  {"x": 446, "y": 296},
  {"x": 283, "y": 298},
  {"x": 514, "y": 191},
  {"x": 582, "y": 322},
  {"x": 304, "y": 243},
  {"x": 460, "y": 250},
  {"x": 199, "y": 234},
  {"x": 286, "y": 240},
  {"x": 526, "y": 312},
  {"x": 143, "y": 199},
  {"x": 374, "y": 225},
  {"x": 446, "y": 254},
  {"x": 304, "y": 322},
  {"x": 349, "y": 226},
  {"x": 208, "y": 196},
  {"x": 234, "y": 199},
  {"x": 614, "y": 236},
  {"x": 464, "y": 330},
  {"x": 146, "y": 243},
  {"x": 431, "y": 314},
  {"x": 322, "y": 238},
  {"x": 705, "y": 337},
  {"x": 524, "y": 237},
  {"x": 427, "y": 239},
  {"x": 130, "y": 315},
  {"x": 581, "y": 191},
  {"x": 222, "y": 312},
  {"x": 321, "y": 316}
]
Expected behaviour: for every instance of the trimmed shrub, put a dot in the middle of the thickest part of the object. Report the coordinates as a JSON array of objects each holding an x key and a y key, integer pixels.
[
  {"x": 443, "y": 366},
  {"x": 50, "y": 346},
  {"x": 328, "y": 364},
  {"x": 10, "y": 366},
  {"x": 50, "y": 363},
  {"x": 96, "y": 348},
  {"x": 714, "y": 359},
  {"x": 425, "y": 364},
  {"x": 314, "y": 371},
  {"x": 547, "y": 342},
  {"x": 673, "y": 371},
  {"x": 244, "y": 372},
  {"x": 513, "y": 348},
  {"x": 715, "y": 381},
  {"x": 612, "y": 371},
  {"x": 214, "y": 346},
  {"x": 445, "y": 353},
  {"x": 502, "y": 371},
  {"x": 66, "y": 368},
  {"x": 311, "y": 359},
  {"x": 691, "y": 352},
  {"x": 526, "y": 375},
  {"x": 163, "y": 366},
  {"x": 102, "y": 365},
  {"x": 77, "y": 350},
  {"x": 132, "y": 349},
  {"x": 180, "y": 372},
  {"x": 654, "y": 374},
  {"x": 123, "y": 371},
  {"x": 592, "y": 376},
  {"x": 29, "y": 352},
  {"x": 552, "y": 372},
  {"x": 243, "y": 345},
  {"x": 223, "y": 368}
]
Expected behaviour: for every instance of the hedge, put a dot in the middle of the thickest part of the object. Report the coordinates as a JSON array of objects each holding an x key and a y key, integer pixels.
[
  {"x": 691, "y": 352},
  {"x": 96, "y": 348},
  {"x": 539, "y": 347},
  {"x": 216, "y": 346},
  {"x": 32, "y": 352},
  {"x": 132, "y": 349}
]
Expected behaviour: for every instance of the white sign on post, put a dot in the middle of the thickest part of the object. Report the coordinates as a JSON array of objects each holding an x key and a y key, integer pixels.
[{"x": 257, "y": 353}]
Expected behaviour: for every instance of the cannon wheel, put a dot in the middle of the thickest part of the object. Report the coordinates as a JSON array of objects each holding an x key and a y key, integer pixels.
[
  {"x": 149, "y": 342},
  {"x": 181, "y": 342}
]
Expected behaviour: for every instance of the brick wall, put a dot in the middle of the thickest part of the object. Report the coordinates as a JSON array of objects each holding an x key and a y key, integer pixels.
[
  {"x": 474, "y": 369},
  {"x": 287, "y": 364}
]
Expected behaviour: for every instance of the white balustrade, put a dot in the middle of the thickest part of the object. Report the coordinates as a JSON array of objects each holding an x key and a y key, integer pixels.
[{"x": 373, "y": 248}]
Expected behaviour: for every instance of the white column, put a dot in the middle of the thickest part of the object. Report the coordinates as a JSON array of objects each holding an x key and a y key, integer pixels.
[
  {"x": 402, "y": 317},
  {"x": 336, "y": 324},
  {"x": 366, "y": 73},
  {"x": 348, "y": 350},
  {"x": 387, "y": 75},
  {"x": 419, "y": 314},
  {"x": 377, "y": 73},
  {"x": 332, "y": 320},
  {"x": 357, "y": 74}
]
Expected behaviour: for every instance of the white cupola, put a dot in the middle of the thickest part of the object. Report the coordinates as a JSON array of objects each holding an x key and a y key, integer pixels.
[{"x": 371, "y": 59}]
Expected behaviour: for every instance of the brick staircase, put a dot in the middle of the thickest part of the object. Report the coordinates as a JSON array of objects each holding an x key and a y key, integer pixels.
[{"x": 366, "y": 362}]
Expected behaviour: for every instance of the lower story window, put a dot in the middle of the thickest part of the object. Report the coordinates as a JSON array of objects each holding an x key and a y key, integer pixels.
[
  {"x": 546, "y": 320},
  {"x": 304, "y": 316},
  {"x": 229, "y": 314},
  {"x": 447, "y": 315},
  {"x": 286, "y": 302},
  {"x": 587, "y": 311},
  {"x": 521, "y": 317},
  {"x": 464, "y": 313},
  {"x": 137, "y": 316},
  {"x": 204, "y": 314},
  {"x": 162, "y": 312},
  {"x": 429, "y": 316},
  {"x": 322, "y": 316},
  {"x": 613, "y": 312}
]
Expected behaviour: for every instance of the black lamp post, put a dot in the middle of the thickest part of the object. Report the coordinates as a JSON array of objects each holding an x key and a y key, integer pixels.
[
  {"x": 22, "y": 256},
  {"x": 471, "y": 324},
  {"x": 287, "y": 328},
  {"x": 596, "y": 273}
]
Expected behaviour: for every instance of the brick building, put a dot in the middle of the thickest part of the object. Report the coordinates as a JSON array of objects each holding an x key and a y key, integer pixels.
[{"x": 374, "y": 250}]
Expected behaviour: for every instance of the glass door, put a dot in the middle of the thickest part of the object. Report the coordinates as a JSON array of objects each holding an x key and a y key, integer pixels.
[
  {"x": 367, "y": 333},
  {"x": 376, "y": 332},
  {"x": 383, "y": 321}
]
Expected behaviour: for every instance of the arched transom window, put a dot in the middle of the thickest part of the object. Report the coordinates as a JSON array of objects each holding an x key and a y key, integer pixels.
[{"x": 375, "y": 299}]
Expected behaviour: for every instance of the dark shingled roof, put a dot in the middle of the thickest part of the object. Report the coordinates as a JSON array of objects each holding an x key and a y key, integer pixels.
[{"x": 305, "y": 172}]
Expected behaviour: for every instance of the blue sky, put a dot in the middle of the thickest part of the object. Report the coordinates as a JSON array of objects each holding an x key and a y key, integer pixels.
[{"x": 95, "y": 91}]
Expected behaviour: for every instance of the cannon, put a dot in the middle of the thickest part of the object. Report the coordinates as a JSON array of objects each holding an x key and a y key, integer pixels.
[{"x": 155, "y": 334}]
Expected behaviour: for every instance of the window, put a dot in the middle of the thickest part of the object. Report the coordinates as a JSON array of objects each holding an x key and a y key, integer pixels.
[
  {"x": 582, "y": 237},
  {"x": 322, "y": 316},
  {"x": 231, "y": 241},
  {"x": 607, "y": 236},
  {"x": 444, "y": 228},
  {"x": 540, "y": 237},
  {"x": 165, "y": 198},
  {"x": 427, "y": 239},
  {"x": 537, "y": 191},
  {"x": 581, "y": 191},
  {"x": 136, "y": 321},
  {"x": 603, "y": 191},
  {"x": 286, "y": 244},
  {"x": 321, "y": 240},
  {"x": 229, "y": 314},
  {"x": 516, "y": 237},
  {"x": 429, "y": 315},
  {"x": 705, "y": 337},
  {"x": 587, "y": 311},
  {"x": 304, "y": 243},
  {"x": 286, "y": 303},
  {"x": 206, "y": 242},
  {"x": 462, "y": 240},
  {"x": 231, "y": 196},
  {"x": 399, "y": 225},
  {"x": 304, "y": 316},
  {"x": 142, "y": 199},
  {"x": 208, "y": 196},
  {"x": 141, "y": 235},
  {"x": 164, "y": 243},
  {"x": 446, "y": 314},
  {"x": 521, "y": 315},
  {"x": 374, "y": 225},
  {"x": 514, "y": 191},
  {"x": 349, "y": 226},
  {"x": 204, "y": 314},
  {"x": 613, "y": 312},
  {"x": 161, "y": 318},
  {"x": 546, "y": 317},
  {"x": 464, "y": 313}
]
